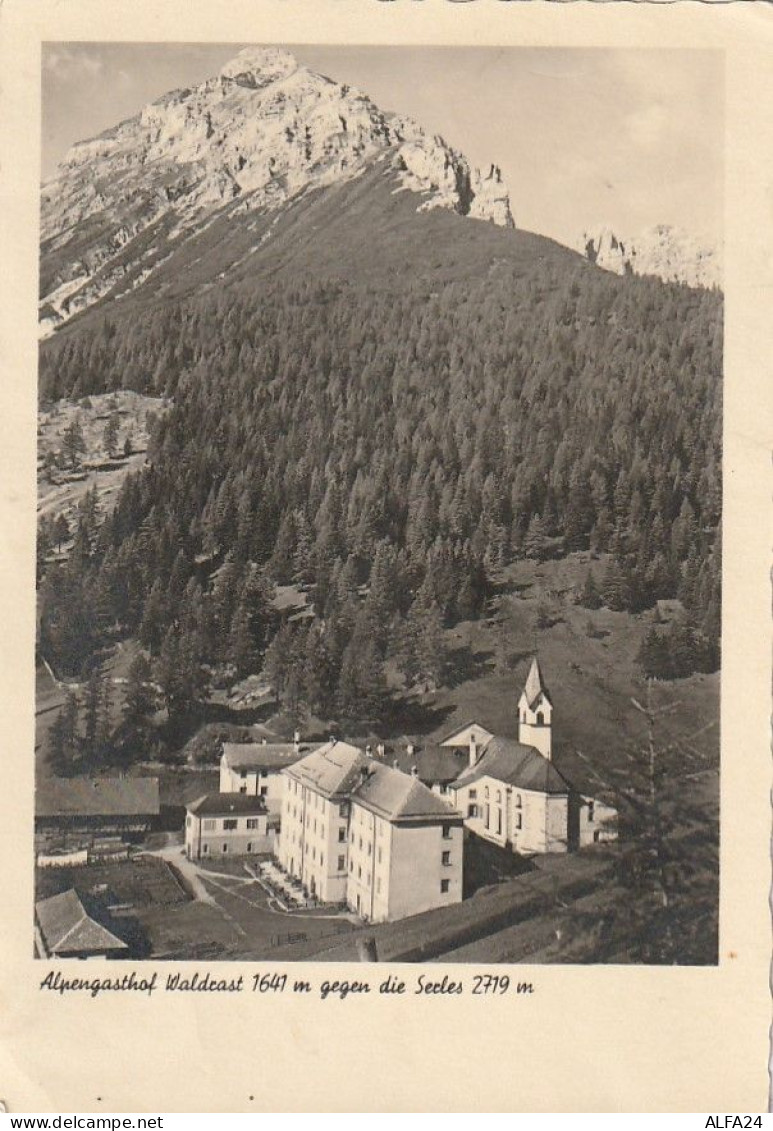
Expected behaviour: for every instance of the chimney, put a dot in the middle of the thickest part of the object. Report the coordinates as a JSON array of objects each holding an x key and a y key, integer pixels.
[
  {"x": 380, "y": 750},
  {"x": 411, "y": 749},
  {"x": 473, "y": 750},
  {"x": 297, "y": 740}
]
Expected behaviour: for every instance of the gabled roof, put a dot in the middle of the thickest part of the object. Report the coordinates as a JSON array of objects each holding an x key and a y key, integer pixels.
[
  {"x": 484, "y": 733},
  {"x": 535, "y": 685},
  {"x": 518, "y": 765},
  {"x": 399, "y": 797},
  {"x": 226, "y": 805},
  {"x": 67, "y": 927},
  {"x": 97, "y": 797},
  {"x": 262, "y": 755},
  {"x": 441, "y": 764},
  {"x": 330, "y": 770}
]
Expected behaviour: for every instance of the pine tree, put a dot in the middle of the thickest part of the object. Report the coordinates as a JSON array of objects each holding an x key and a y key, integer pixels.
[
  {"x": 110, "y": 435},
  {"x": 590, "y": 598}
]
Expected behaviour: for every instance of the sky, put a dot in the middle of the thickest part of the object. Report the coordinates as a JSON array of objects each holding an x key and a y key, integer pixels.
[{"x": 584, "y": 137}]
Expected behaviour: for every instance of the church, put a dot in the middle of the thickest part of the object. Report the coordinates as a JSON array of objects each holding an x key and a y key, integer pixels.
[{"x": 512, "y": 794}]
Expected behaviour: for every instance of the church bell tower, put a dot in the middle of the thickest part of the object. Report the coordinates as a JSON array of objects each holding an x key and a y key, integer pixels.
[{"x": 535, "y": 711}]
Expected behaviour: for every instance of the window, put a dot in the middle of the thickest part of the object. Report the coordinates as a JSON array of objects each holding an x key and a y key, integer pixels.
[
  {"x": 351, "y": 866},
  {"x": 540, "y": 718},
  {"x": 499, "y": 822},
  {"x": 342, "y": 809},
  {"x": 230, "y": 823},
  {"x": 473, "y": 794},
  {"x": 342, "y": 834},
  {"x": 518, "y": 821},
  {"x": 444, "y": 886},
  {"x": 485, "y": 792},
  {"x": 446, "y": 859},
  {"x": 209, "y": 825},
  {"x": 225, "y": 849},
  {"x": 379, "y": 855},
  {"x": 472, "y": 810},
  {"x": 518, "y": 801},
  {"x": 359, "y": 872},
  {"x": 499, "y": 796},
  {"x": 370, "y": 849},
  {"x": 249, "y": 846},
  {"x": 253, "y": 823},
  {"x": 596, "y": 836},
  {"x": 446, "y": 832},
  {"x": 360, "y": 844},
  {"x": 205, "y": 850},
  {"x": 263, "y": 790},
  {"x": 188, "y": 821},
  {"x": 590, "y": 812},
  {"x": 242, "y": 789},
  {"x": 487, "y": 815},
  {"x": 341, "y": 863},
  {"x": 523, "y": 716},
  {"x": 322, "y": 858}
]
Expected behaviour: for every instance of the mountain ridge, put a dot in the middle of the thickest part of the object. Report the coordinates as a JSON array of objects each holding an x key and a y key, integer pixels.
[{"x": 258, "y": 135}]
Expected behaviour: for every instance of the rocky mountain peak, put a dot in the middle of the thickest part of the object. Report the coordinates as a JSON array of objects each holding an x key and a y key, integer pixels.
[
  {"x": 261, "y": 132},
  {"x": 257, "y": 66},
  {"x": 662, "y": 249}
]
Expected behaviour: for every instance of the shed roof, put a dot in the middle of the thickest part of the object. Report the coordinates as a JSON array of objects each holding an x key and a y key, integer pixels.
[
  {"x": 97, "y": 797},
  {"x": 68, "y": 928}
]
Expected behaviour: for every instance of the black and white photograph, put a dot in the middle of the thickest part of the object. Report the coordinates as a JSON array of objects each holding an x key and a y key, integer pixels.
[{"x": 379, "y": 504}]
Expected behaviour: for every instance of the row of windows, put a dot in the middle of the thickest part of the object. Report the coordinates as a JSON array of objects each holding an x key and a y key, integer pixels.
[
  {"x": 229, "y": 824},
  {"x": 205, "y": 848}
]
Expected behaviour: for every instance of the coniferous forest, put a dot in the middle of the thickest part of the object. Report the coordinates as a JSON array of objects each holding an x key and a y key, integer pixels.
[{"x": 389, "y": 451}]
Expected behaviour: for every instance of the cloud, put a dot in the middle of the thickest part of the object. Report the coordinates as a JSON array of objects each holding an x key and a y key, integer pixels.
[{"x": 65, "y": 62}]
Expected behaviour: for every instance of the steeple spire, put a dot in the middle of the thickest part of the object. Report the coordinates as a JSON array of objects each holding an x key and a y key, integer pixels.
[{"x": 535, "y": 711}]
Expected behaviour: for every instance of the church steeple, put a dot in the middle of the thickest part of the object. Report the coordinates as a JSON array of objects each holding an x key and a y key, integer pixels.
[{"x": 535, "y": 711}]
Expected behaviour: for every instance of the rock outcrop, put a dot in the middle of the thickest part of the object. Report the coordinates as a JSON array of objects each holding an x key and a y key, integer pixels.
[
  {"x": 662, "y": 250},
  {"x": 262, "y": 132}
]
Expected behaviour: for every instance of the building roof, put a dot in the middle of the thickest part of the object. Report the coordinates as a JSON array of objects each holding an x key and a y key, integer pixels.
[
  {"x": 535, "y": 685},
  {"x": 515, "y": 764},
  {"x": 331, "y": 769},
  {"x": 263, "y": 755},
  {"x": 398, "y": 796},
  {"x": 67, "y": 927},
  {"x": 97, "y": 797},
  {"x": 471, "y": 725},
  {"x": 441, "y": 764},
  {"x": 226, "y": 805}
]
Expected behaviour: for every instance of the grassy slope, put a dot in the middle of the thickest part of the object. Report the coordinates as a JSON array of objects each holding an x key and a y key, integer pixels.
[{"x": 362, "y": 231}]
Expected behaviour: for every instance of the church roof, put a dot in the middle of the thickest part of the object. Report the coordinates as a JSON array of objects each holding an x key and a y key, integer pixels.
[
  {"x": 535, "y": 685},
  {"x": 433, "y": 764},
  {"x": 515, "y": 764}
]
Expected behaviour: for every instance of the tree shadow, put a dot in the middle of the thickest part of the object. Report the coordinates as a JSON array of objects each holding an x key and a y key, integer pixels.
[{"x": 464, "y": 664}]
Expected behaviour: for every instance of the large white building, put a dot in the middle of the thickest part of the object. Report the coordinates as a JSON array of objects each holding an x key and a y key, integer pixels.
[
  {"x": 512, "y": 794},
  {"x": 255, "y": 768},
  {"x": 359, "y": 832}
]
